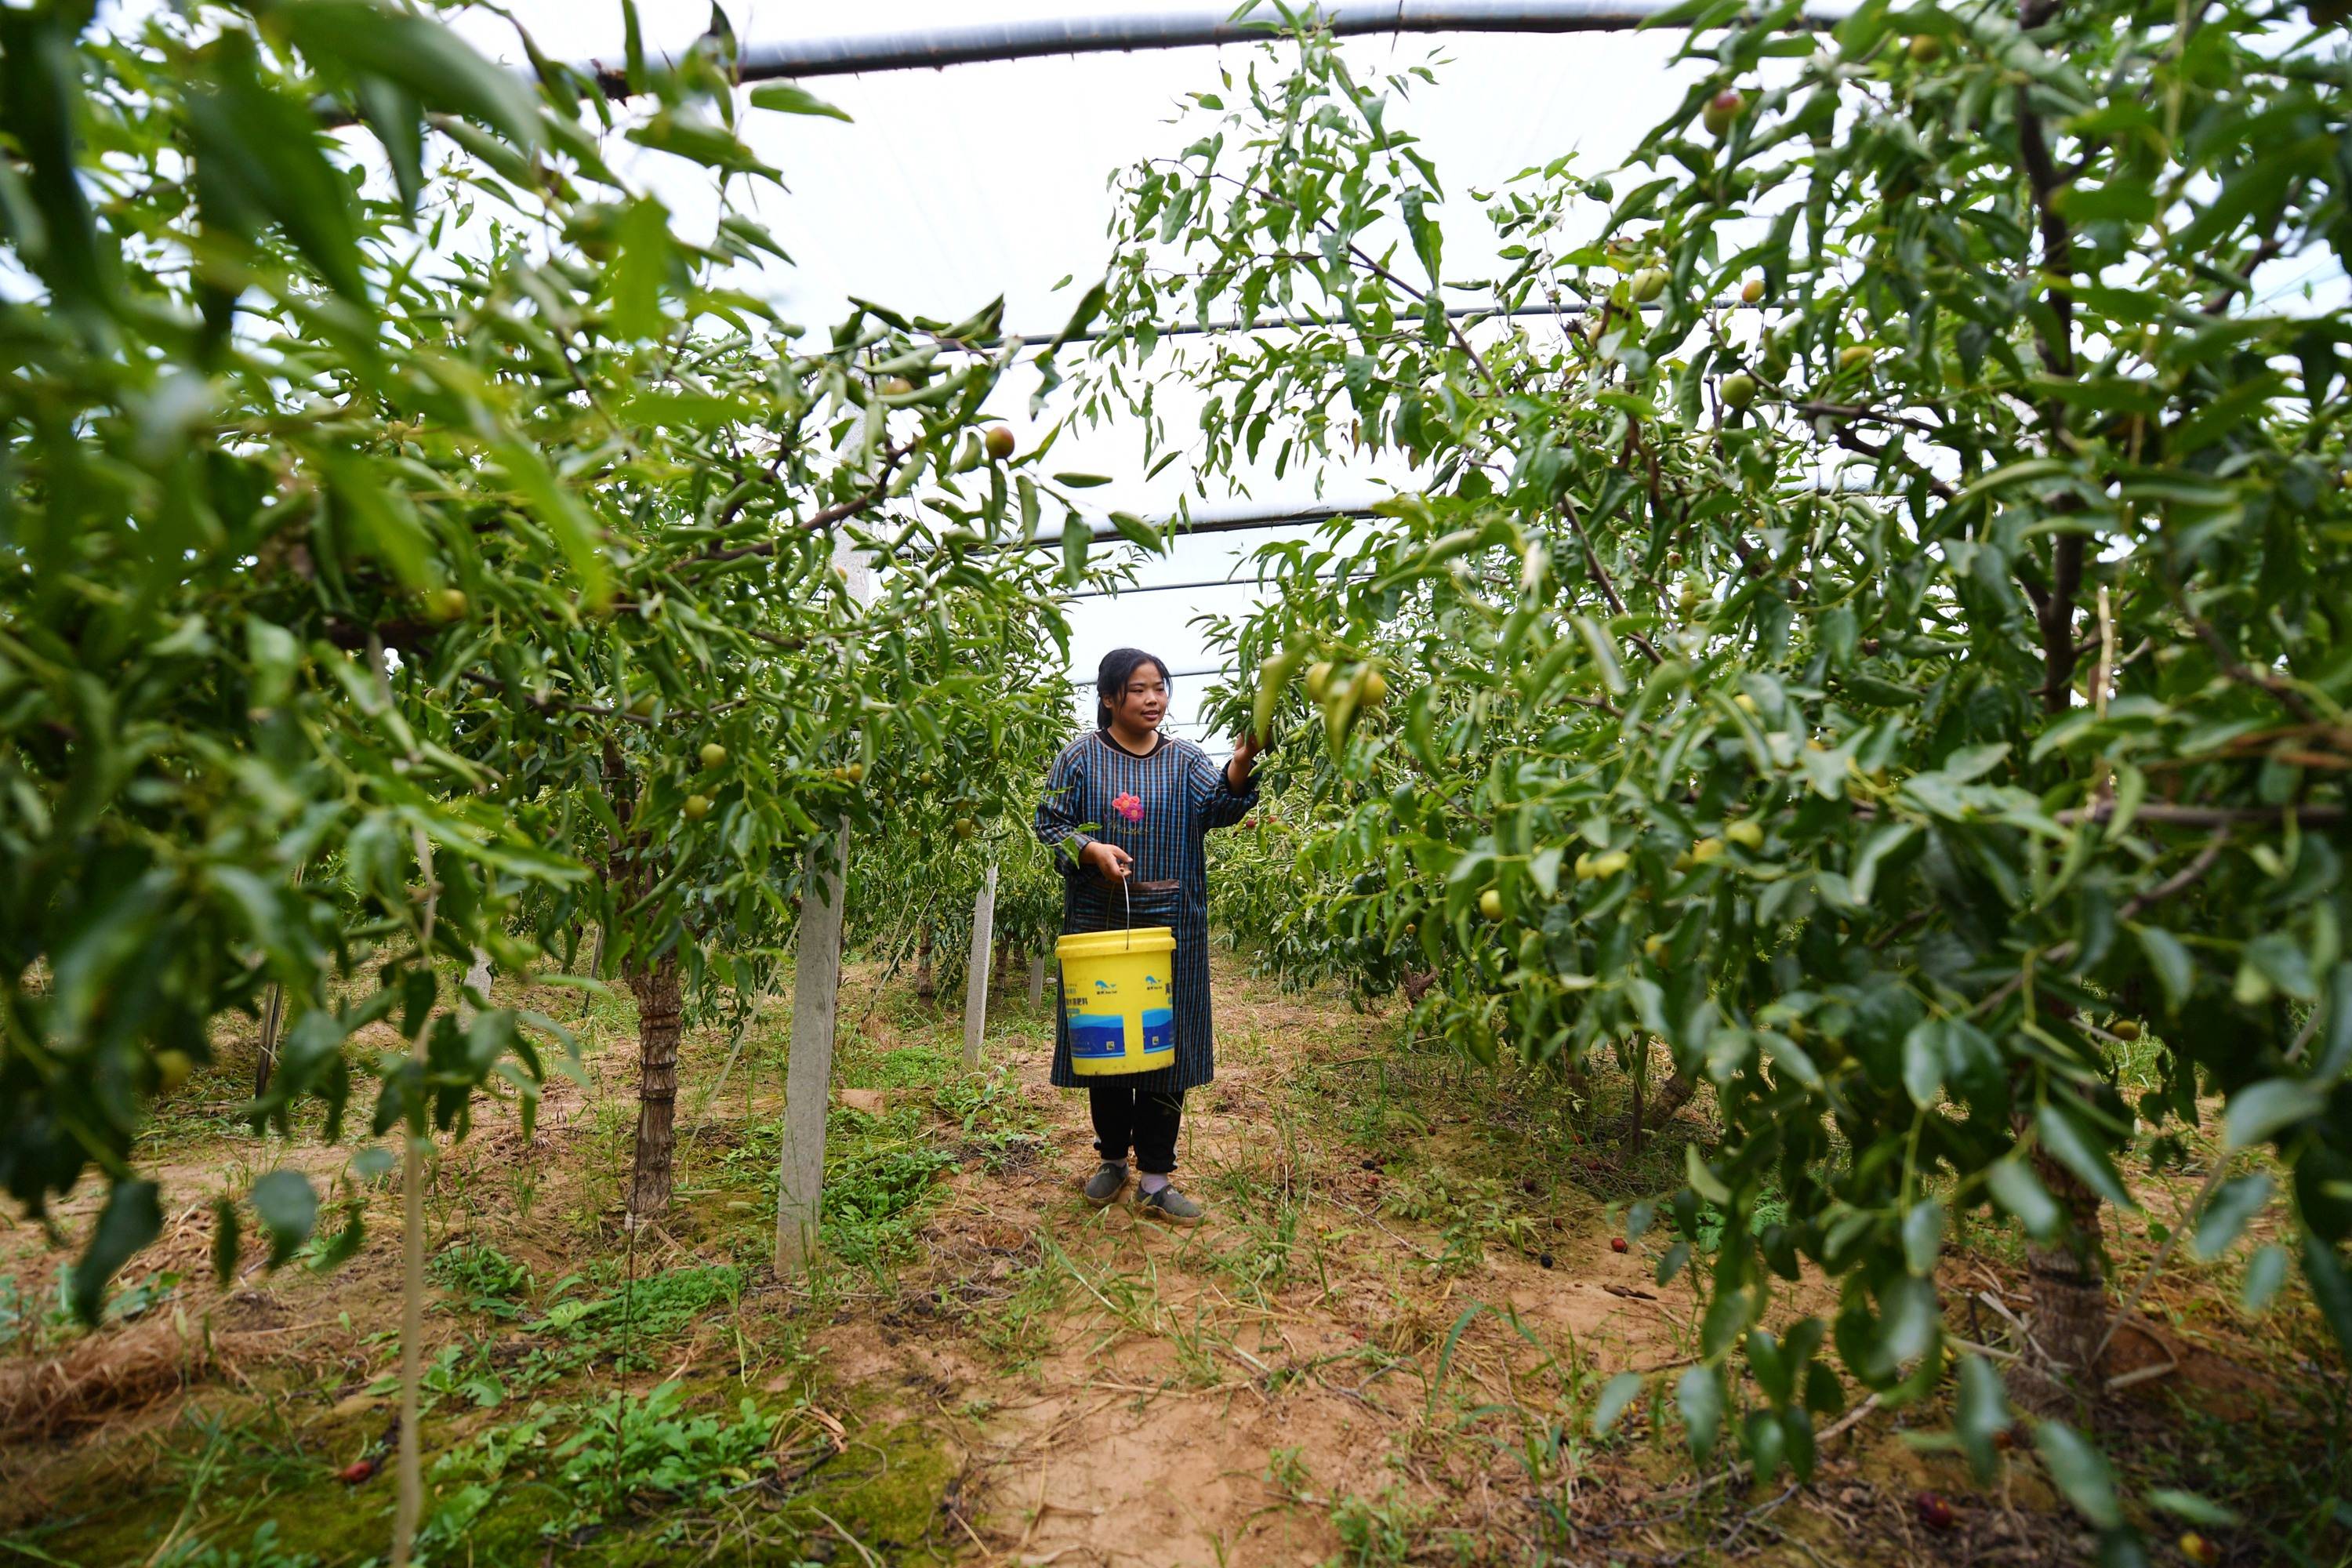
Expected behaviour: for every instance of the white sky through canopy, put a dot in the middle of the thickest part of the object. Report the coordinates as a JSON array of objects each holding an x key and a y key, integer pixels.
[{"x": 952, "y": 186}]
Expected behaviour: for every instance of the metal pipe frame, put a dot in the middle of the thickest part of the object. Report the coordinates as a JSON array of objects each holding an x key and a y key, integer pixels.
[{"x": 978, "y": 42}]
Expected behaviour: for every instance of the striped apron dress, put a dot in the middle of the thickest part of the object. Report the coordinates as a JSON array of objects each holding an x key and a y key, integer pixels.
[{"x": 1183, "y": 794}]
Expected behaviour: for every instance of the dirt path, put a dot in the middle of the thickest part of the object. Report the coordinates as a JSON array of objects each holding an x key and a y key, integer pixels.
[{"x": 1241, "y": 1391}]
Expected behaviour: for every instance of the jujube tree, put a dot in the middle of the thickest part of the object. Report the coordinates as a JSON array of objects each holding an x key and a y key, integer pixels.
[{"x": 1876, "y": 637}]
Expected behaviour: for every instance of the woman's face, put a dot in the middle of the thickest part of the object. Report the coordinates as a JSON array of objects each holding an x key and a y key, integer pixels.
[{"x": 1143, "y": 701}]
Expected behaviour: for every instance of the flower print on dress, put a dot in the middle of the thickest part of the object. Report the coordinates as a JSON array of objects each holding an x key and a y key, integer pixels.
[{"x": 1129, "y": 808}]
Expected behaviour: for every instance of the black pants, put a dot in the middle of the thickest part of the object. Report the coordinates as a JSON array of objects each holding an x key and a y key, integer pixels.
[{"x": 1145, "y": 1119}]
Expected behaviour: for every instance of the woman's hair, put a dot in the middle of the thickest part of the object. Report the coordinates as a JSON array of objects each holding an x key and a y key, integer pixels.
[{"x": 1119, "y": 666}]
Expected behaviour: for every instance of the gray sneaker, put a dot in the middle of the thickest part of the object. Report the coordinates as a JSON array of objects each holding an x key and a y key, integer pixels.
[
  {"x": 1105, "y": 1185},
  {"x": 1170, "y": 1205}
]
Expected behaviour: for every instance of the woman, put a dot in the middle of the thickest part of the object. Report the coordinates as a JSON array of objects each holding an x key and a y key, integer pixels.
[{"x": 1125, "y": 784}]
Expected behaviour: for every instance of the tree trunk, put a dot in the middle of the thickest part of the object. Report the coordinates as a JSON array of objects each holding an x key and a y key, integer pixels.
[
  {"x": 658, "y": 1027},
  {"x": 976, "y": 978},
  {"x": 1672, "y": 1098},
  {"x": 273, "y": 1022},
  {"x": 808, "y": 1070},
  {"x": 2070, "y": 1296}
]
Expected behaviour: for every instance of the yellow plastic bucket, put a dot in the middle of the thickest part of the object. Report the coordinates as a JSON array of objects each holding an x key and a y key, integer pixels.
[{"x": 1116, "y": 995}]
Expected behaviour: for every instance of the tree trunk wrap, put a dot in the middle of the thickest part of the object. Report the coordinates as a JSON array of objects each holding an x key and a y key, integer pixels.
[
  {"x": 976, "y": 978},
  {"x": 2069, "y": 1281},
  {"x": 659, "y": 1024}
]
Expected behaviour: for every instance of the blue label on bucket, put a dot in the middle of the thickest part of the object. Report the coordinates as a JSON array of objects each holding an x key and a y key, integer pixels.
[
  {"x": 1158, "y": 1030},
  {"x": 1098, "y": 1037}
]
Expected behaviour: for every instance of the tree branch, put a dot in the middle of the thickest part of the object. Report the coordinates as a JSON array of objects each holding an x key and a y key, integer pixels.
[{"x": 1600, "y": 575}]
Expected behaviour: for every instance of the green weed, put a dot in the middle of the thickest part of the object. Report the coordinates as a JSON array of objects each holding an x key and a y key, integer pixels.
[
  {"x": 605, "y": 1459},
  {"x": 485, "y": 1279},
  {"x": 1377, "y": 1533},
  {"x": 262, "y": 1552},
  {"x": 1469, "y": 1212}
]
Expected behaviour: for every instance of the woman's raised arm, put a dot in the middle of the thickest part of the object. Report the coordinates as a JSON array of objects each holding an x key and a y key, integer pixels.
[{"x": 1223, "y": 803}]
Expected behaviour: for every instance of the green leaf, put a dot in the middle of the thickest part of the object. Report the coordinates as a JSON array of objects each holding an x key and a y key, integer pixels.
[
  {"x": 2194, "y": 1508},
  {"x": 1137, "y": 532},
  {"x": 556, "y": 507},
  {"x": 257, "y": 156},
  {"x": 385, "y": 523},
  {"x": 1075, "y": 537},
  {"x": 683, "y": 134},
  {"x": 2063, "y": 1136},
  {"x": 1699, "y": 1397},
  {"x": 1082, "y": 481},
  {"x": 1884, "y": 840},
  {"x": 1615, "y": 1394},
  {"x": 632, "y": 47},
  {"x": 1923, "y": 1062},
  {"x": 398, "y": 121},
  {"x": 1604, "y": 648},
  {"x": 790, "y": 98},
  {"x": 2260, "y": 1110},
  {"x": 2281, "y": 960},
  {"x": 1923, "y": 1236},
  {"x": 639, "y": 270},
  {"x": 2330, "y": 1289},
  {"x": 1981, "y": 1415},
  {"x": 2080, "y": 1473},
  {"x": 288, "y": 1208},
  {"x": 1090, "y": 305},
  {"x": 2016, "y": 1188},
  {"x": 1704, "y": 1182},
  {"x": 2167, "y": 955},
  {"x": 428, "y": 60},
  {"x": 2233, "y": 1202},
  {"x": 132, "y": 1217},
  {"x": 2265, "y": 1272}
]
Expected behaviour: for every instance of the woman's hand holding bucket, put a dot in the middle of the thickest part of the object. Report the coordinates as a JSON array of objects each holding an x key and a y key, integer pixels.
[{"x": 1111, "y": 863}]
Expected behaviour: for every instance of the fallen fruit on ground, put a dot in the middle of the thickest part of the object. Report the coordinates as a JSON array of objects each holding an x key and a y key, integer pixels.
[{"x": 171, "y": 1070}]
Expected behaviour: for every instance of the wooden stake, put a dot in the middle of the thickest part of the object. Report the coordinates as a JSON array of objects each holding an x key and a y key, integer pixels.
[
  {"x": 808, "y": 1073},
  {"x": 1036, "y": 982},
  {"x": 975, "y": 986}
]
